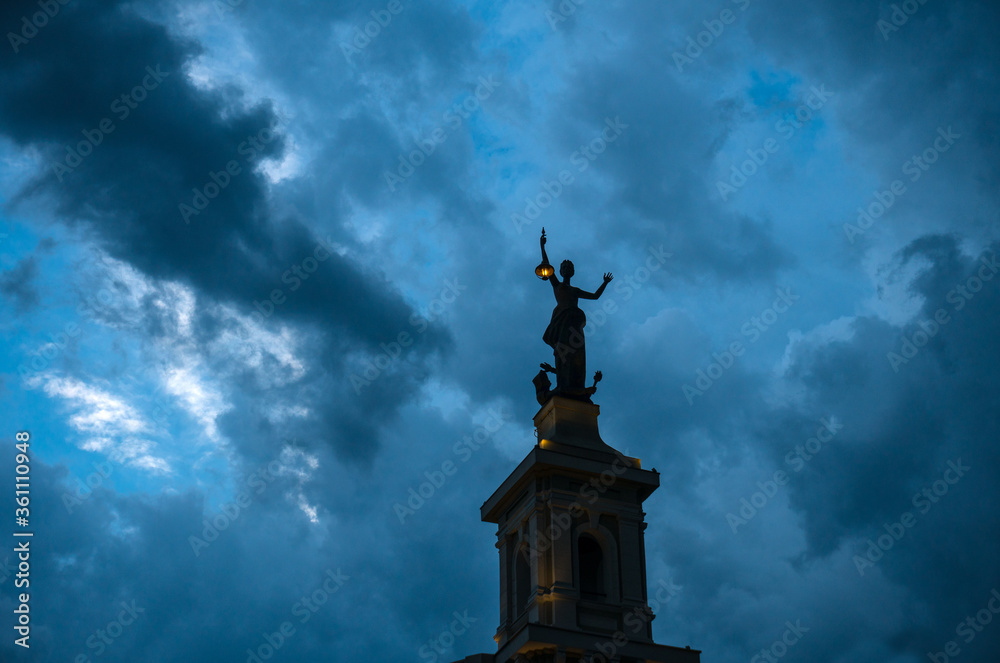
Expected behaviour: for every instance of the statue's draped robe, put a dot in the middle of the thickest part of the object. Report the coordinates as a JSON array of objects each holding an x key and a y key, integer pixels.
[{"x": 565, "y": 336}]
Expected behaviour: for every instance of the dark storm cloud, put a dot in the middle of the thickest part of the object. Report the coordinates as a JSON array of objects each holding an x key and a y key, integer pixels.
[
  {"x": 17, "y": 283},
  {"x": 656, "y": 172},
  {"x": 426, "y": 56},
  {"x": 903, "y": 422},
  {"x": 107, "y": 547},
  {"x": 901, "y": 428},
  {"x": 937, "y": 69},
  {"x": 113, "y": 549},
  {"x": 143, "y": 155}
]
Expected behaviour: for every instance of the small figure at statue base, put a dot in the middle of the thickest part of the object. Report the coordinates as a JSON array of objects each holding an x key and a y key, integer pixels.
[{"x": 544, "y": 391}]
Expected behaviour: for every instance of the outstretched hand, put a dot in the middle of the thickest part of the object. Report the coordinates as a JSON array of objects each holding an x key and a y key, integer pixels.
[{"x": 608, "y": 276}]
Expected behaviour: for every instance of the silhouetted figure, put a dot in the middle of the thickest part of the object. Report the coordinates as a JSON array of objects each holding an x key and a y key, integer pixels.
[
  {"x": 543, "y": 386},
  {"x": 565, "y": 333}
]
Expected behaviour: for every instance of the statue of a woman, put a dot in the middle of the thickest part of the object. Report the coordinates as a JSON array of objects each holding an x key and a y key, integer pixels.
[{"x": 565, "y": 331}]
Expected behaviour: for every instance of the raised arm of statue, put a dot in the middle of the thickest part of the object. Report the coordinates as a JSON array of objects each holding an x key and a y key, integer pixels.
[{"x": 583, "y": 294}]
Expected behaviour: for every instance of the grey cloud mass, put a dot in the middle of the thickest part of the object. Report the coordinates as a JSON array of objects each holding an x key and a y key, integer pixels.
[{"x": 318, "y": 336}]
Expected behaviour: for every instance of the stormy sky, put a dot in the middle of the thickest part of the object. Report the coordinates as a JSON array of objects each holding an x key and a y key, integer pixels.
[{"x": 265, "y": 267}]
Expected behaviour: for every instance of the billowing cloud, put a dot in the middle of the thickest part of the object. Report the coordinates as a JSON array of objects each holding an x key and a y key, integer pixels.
[{"x": 266, "y": 269}]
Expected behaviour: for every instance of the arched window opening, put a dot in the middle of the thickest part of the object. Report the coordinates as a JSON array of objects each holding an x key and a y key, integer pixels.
[{"x": 591, "y": 566}]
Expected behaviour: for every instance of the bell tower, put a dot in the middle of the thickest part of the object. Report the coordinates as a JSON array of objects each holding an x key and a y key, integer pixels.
[
  {"x": 570, "y": 524},
  {"x": 570, "y": 533}
]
